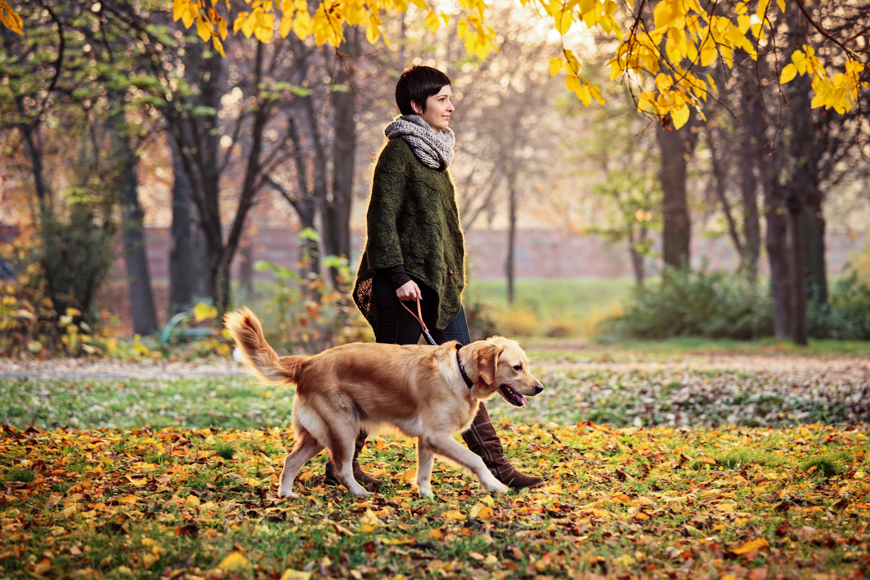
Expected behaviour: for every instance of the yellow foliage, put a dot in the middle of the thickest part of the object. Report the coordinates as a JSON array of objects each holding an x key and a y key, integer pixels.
[
  {"x": 684, "y": 36},
  {"x": 10, "y": 18}
]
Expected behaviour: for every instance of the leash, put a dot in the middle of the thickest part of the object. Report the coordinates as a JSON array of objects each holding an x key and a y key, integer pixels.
[{"x": 419, "y": 318}]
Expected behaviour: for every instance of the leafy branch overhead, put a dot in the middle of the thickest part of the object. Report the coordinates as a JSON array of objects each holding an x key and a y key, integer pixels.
[{"x": 667, "y": 49}]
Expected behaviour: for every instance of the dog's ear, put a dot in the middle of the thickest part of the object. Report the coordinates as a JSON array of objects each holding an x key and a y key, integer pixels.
[{"x": 486, "y": 361}]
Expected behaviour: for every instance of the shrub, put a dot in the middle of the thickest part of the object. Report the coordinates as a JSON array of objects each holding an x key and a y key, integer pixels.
[
  {"x": 480, "y": 318},
  {"x": 846, "y": 316},
  {"x": 313, "y": 314},
  {"x": 695, "y": 303}
]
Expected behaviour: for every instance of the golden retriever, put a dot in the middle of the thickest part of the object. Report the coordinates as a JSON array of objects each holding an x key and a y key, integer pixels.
[{"x": 427, "y": 392}]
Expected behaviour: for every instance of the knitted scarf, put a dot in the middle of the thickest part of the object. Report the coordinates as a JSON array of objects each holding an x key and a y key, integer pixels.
[{"x": 433, "y": 148}]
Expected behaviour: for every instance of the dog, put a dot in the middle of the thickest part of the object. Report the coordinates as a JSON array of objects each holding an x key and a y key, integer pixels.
[{"x": 426, "y": 392}]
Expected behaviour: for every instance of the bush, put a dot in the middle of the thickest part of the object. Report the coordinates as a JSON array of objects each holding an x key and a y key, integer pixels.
[
  {"x": 846, "y": 316},
  {"x": 311, "y": 315},
  {"x": 696, "y": 303},
  {"x": 480, "y": 318}
]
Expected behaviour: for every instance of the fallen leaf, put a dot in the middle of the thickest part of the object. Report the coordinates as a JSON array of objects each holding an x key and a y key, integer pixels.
[
  {"x": 291, "y": 574},
  {"x": 233, "y": 562},
  {"x": 747, "y": 547}
]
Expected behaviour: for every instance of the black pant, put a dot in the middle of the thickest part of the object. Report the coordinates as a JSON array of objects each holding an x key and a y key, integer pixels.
[{"x": 396, "y": 325}]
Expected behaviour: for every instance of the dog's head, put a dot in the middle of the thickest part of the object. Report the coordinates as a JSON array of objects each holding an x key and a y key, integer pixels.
[{"x": 499, "y": 365}]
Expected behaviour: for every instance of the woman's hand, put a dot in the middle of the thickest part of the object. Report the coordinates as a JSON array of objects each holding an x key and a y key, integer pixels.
[{"x": 409, "y": 291}]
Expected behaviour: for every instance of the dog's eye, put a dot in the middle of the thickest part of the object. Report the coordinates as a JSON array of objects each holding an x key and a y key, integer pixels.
[{"x": 518, "y": 367}]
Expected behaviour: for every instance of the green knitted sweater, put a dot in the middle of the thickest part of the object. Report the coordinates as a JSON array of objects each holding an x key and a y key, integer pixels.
[{"x": 412, "y": 220}]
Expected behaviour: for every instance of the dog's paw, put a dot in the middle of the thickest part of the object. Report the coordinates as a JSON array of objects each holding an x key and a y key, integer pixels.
[
  {"x": 497, "y": 487},
  {"x": 289, "y": 494},
  {"x": 427, "y": 492}
]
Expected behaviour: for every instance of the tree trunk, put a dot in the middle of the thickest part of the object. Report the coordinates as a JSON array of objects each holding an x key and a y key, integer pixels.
[
  {"x": 751, "y": 149},
  {"x": 183, "y": 265},
  {"x": 132, "y": 228},
  {"x": 777, "y": 248},
  {"x": 637, "y": 258},
  {"x": 799, "y": 286},
  {"x": 675, "y": 146},
  {"x": 801, "y": 186},
  {"x": 512, "y": 235},
  {"x": 336, "y": 222},
  {"x": 813, "y": 228},
  {"x": 719, "y": 176},
  {"x": 246, "y": 267}
]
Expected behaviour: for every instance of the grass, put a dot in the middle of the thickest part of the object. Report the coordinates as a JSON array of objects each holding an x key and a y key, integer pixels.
[
  {"x": 730, "y": 474},
  {"x": 619, "y": 503},
  {"x": 560, "y": 307}
]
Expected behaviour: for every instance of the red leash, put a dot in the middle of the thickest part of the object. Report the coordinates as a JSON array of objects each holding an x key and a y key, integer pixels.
[{"x": 419, "y": 318}]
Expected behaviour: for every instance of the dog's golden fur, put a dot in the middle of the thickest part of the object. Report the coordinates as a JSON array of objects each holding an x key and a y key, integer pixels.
[{"x": 418, "y": 390}]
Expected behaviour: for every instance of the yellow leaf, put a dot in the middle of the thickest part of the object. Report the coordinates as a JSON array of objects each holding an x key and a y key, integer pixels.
[
  {"x": 409, "y": 475},
  {"x": 706, "y": 459},
  {"x": 781, "y": 4},
  {"x": 645, "y": 101},
  {"x": 191, "y": 501},
  {"x": 203, "y": 311},
  {"x": 755, "y": 544},
  {"x": 584, "y": 95},
  {"x": 708, "y": 54},
  {"x": 800, "y": 61},
  {"x": 129, "y": 499},
  {"x": 203, "y": 29},
  {"x": 572, "y": 82},
  {"x": 291, "y": 574},
  {"x": 42, "y": 567},
  {"x": 454, "y": 515},
  {"x": 789, "y": 72},
  {"x": 564, "y": 19},
  {"x": 240, "y": 21},
  {"x": 10, "y": 18},
  {"x": 556, "y": 64},
  {"x": 432, "y": 22},
  {"x": 233, "y": 562},
  {"x": 664, "y": 14},
  {"x": 179, "y": 9},
  {"x": 287, "y": 25}
]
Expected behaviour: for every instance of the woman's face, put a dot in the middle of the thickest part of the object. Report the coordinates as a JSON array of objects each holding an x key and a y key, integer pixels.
[{"x": 438, "y": 109}]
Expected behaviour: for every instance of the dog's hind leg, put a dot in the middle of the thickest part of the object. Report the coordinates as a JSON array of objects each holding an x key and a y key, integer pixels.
[
  {"x": 425, "y": 459},
  {"x": 306, "y": 447},
  {"x": 449, "y": 448},
  {"x": 341, "y": 449}
]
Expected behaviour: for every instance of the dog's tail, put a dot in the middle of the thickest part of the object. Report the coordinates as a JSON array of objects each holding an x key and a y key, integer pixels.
[{"x": 248, "y": 334}]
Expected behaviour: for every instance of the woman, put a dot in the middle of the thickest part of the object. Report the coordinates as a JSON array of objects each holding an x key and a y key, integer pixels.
[{"x": 415, "y": 248}]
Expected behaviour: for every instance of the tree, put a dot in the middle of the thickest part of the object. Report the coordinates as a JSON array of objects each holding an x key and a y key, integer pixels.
[
  {"x": 663, "y": 43},
  {"x": 85, "y": 86}
]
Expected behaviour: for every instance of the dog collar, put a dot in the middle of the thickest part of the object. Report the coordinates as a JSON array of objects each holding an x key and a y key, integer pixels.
[{"x": 462, "y": 372}]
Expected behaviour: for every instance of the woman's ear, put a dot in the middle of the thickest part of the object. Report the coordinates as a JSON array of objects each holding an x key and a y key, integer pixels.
[
  {"x": 486, "y": 362},
  {"x": 416, "y": 108}
]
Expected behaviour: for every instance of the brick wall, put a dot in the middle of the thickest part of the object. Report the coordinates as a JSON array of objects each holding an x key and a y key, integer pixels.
[{"x": 539, "y": 254}]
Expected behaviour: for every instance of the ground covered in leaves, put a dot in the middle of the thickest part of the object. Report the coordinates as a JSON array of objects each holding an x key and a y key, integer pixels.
[{"x": 169, "y": 477}]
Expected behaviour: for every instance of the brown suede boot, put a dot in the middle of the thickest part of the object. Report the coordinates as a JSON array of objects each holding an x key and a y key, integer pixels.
[
  {"x": 483, "y": 440},
  {"x": 367, "y": 481}
]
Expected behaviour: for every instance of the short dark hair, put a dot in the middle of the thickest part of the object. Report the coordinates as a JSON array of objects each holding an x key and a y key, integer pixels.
[{"x": 417, "y": 84}]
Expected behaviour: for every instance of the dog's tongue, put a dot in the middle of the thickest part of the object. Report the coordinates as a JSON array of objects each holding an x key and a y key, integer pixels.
[{"x": 522, "y": 398}]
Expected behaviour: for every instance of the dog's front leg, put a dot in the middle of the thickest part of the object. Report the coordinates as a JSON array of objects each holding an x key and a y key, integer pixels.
[
  {"x": 449, "y": 448},
  {"x": 306, "y": 447},
  {"x": 425, "y": 459}
]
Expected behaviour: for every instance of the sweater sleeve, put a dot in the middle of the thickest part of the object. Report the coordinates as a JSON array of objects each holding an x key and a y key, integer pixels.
[{"x": 388, "y": 191}]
